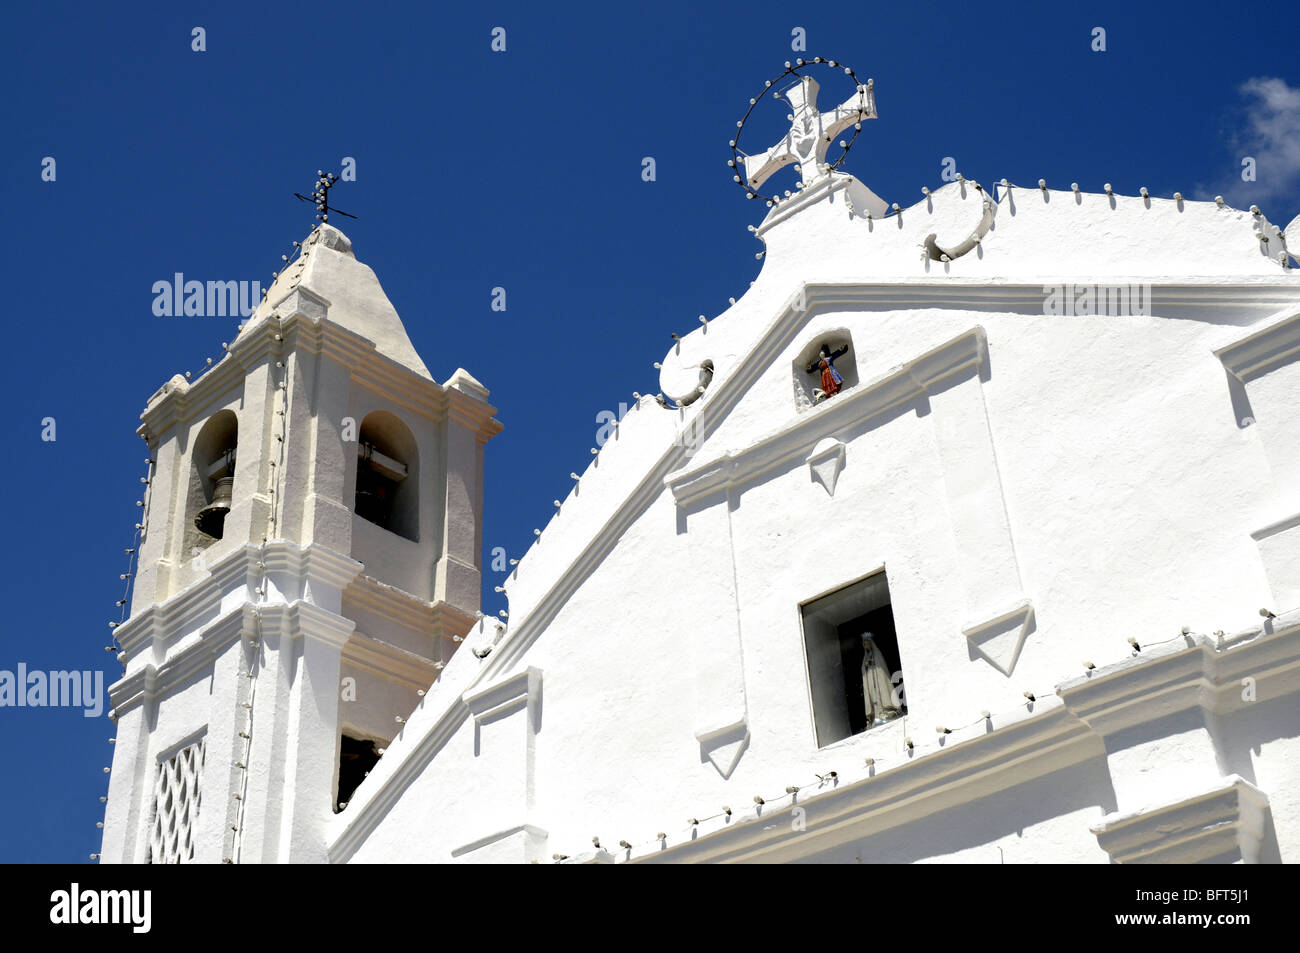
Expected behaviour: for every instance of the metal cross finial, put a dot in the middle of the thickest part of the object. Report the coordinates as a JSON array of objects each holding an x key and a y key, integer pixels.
[
  {"x": 321, "y": 197},
  {"x": 810, "y": 132}
]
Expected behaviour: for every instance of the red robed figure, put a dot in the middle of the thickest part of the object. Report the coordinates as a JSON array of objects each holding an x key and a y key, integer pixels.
[{"x": 831, "y": 379}]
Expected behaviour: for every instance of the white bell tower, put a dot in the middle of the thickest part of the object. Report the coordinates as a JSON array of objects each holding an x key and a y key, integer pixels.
[{"x": 309, "y": 560}]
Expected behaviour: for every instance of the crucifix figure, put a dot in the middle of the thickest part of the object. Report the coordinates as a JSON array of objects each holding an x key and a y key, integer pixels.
[
  {"x": 831, "y": 380},
  {"x": 810, "y": 132}
]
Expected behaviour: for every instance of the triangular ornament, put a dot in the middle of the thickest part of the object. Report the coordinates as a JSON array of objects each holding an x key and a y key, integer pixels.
[
  {"x": 723, "y": 747},
  {"x": 825, "y": 463},
  {"x": 1001, "y": 638}
]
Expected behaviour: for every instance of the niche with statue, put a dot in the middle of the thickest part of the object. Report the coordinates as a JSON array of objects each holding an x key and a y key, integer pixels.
[{"x": 824, "y": 368}]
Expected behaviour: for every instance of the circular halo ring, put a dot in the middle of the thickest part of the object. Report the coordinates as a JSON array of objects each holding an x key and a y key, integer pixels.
[{"x": 737, "y": 158}]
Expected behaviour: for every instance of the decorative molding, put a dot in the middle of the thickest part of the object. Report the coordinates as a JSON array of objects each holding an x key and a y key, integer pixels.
[
  {"x": 308, "y": 332},
  {"x": 863, "y": 801},
  {"x": 389, "y": 602},
  {"x": 471, "y": 410},
  {"x": 299, "y": 301},
  {"x": 405, "y": 668},
  {"x": 1223, "y": 823},
  {"x": 1032, "y": 742},
  {"x": 510, "y": 694},
  {"x": 1204, "y": 299},
  {"x": 822, "y": 189},
  {"x": 149, "y": 682},
  {"x": 310, "y": 573},
  {"x": 1263, "y": 351},
  {"x": 307, "y": 620},
  {"x": 780, "y": 447},
  {"x": 172, "y": 640},
  {"x": 1196, "y": 671},
  {"x": 410, "y": 753},
  {"x": 312, "y": 563},
  {"x": 532, "y": 842},
  {"x": 159, "y": 623}
]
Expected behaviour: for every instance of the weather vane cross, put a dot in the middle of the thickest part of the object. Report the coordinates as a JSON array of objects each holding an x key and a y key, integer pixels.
[
  {"x": 811, "y": 132},
  {"x": 321, "y": 197}
]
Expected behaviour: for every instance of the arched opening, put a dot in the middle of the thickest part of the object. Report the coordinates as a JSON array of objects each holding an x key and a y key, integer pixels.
[
  {"x": 388, "y": 483},
  {"x": 212, "y": 479},
  {"x": 815, "y": 383}
]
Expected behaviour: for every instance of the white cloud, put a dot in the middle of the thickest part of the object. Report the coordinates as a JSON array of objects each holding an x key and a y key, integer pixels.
[{"x": 1271, "y": 135}]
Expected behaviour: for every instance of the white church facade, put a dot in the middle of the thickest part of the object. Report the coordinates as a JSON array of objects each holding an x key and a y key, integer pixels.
[{"x": 1013, "y": 575}]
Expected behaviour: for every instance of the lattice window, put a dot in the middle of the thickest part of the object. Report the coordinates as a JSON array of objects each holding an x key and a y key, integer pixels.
[{"x": 176, "y": 806}]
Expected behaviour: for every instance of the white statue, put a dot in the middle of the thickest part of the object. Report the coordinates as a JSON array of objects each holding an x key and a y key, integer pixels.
[{"x": 877, "y": 689}]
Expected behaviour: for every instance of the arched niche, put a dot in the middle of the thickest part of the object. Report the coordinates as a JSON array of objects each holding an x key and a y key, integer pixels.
[
  {"x": 807, "y": 385},
  {"x": 388, "y": 478},
  {"x": 211, "y": 480}
]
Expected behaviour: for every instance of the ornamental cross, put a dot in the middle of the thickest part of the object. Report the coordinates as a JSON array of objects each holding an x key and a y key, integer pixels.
[{"x": 810, "y": 132}]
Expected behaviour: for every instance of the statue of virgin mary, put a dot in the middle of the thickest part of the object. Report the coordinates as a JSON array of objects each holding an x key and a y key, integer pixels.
[{"x": 877, "y": 690}]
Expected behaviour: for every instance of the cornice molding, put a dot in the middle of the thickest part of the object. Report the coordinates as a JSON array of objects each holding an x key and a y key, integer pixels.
[
  {"x": 792, "y": 441},
  {"x": 309, "y": 621},
  {"x": 1228, "y": 818},
  {"x": 1263, "y": 351},
  {"x": 472, "y": 412},
  {"x": 869, "y": 801},
  {"x": 150, "y": 635},
  {"x": 523, "y": 687},
  {"x": 301, "y": 319},
  {"x": 1191, "y": 671},
  {"x": 439, "y": 619},
  {"x": 149, "y": 682},
  {"x": 157, "y": 623},
  {"x": 389, "y": 603},
  {"x": 406, "y": 668},
  {"x": 1063, "y": 732},
  {"x": 312, "y": 562}
]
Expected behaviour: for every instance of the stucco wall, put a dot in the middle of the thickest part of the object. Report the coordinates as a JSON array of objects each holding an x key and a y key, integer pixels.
[{"x": 1129, "y": 488}]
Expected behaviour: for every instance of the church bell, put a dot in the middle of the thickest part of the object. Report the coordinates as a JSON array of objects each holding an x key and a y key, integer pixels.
[{"x": 212, "y": 518}]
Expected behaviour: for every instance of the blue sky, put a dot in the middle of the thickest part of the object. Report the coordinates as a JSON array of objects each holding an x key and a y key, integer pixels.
[{"x": 478, "y": 169}]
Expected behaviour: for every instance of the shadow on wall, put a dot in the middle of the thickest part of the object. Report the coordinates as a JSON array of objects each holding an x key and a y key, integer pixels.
[{"x": 1240, "y": 738}]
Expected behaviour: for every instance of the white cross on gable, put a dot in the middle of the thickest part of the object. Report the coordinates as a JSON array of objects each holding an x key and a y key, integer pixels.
[{"x": 810, "y": 132}]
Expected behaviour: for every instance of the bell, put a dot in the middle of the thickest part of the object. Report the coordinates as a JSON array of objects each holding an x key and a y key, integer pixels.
[{"x": 212, "y": 518}]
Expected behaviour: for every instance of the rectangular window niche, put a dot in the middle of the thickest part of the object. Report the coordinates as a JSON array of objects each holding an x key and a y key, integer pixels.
[{"x": 855, "y": 673}]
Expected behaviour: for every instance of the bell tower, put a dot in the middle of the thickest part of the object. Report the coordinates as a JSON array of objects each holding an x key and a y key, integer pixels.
[{"x": 309, "y": 559}]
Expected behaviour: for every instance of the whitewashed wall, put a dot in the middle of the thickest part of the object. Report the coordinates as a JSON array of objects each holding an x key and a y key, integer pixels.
[{"x": 1129, "y": 490}]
